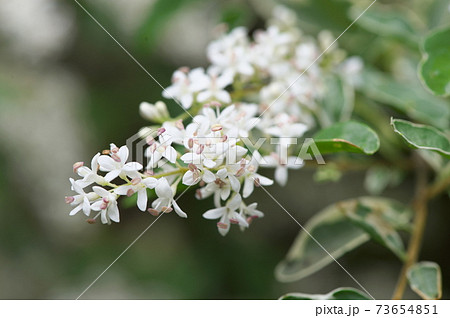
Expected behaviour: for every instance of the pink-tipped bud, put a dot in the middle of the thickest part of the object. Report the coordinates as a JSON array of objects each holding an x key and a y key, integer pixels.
[
  {"x": 130, "y": 192},
  {"x": 77, "y": 165},
  {"x": 90, "y": 221},
  {"x": 179, "y": 124},
  {"x": 190, "y": 143},
  {"x": 161, "y": 131},
  {"x": 69, "y": 199},
  {"x": 153, "y": 212},
  {"x": 115, "y": 157},
  {"x": 136, "y": 181},
  {"x": 216, "y": 127},
  {"x": 166, "y": 209},
  {"x": 221, "y": 225},
  {"x": 234, "y": 221}
]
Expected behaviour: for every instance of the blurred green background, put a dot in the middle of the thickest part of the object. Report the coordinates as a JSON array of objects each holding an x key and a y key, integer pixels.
[{"x": 67, "y": 90}]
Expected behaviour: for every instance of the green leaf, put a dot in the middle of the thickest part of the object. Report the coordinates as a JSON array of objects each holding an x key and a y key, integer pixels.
[
  {"x": 336, "y": 234},
  {"x": 413, "y": 100},
  {"x": 349, "y": 136},
  {"x": 338, "y": 100},
  {"x": 369, "y": 218},
  {"x": 386, "y": 22},
  {"x": 329, "y": 15},
  {"x": 343, "y": 293},
  {"x": 425, "y": 279},
  {"x": 378, "y": 178},
  {"x": 434, "y": 69},
  {"x": 422, "y": 136}
]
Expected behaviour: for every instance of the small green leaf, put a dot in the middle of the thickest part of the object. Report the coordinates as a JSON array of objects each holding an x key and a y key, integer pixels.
[
  {"x": 411, "y": 99},
  {"x": 422, "y": 136},
  {"x": 425, "y": 279},
  {"x": 344, "y": 293},
  {"x": 336, "y": 234},
  {"x": 349, "y": 136},
  {"x": 434, "y": 69},
  {"x": 338, "y": 100},
  {"x": 387, "y": 22},
  {"x": 378, "y": 178},
  {"x": 371, "y": 220}
]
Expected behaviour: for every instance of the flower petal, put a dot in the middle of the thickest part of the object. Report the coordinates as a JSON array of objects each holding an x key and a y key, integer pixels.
[{"x": 214, "y": 213}]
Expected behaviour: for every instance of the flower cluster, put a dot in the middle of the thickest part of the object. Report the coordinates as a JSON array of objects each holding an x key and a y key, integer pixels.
[{"x": 269, "y": 86}]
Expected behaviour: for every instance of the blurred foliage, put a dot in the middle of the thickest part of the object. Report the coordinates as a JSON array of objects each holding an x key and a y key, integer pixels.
[{"x": 187, "y": 259}]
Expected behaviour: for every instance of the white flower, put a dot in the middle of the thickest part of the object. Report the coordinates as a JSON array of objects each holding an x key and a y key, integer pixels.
[
  {"x": 161, "y": 149},
  {"x": 281, "y": 165},
  {"x": 224, "y": 182},
  {"x": 165, "y": 199},
  {"x": 107, "y": 205},
  {"x": 215, "y": 87},
  {"x": 250, "y": 213},
  {"x": 195, "y": 174},
  {"x": 185, "y": 84},
  {"x": 230, "y": 54},
  {"x": 89, "y": 175},
  {"x": 81, "y": 201},
  {"x": 251, "y": 177},
  {"x": 140, "y": 186},
  {"x": 116, "y": 165},
  {"x": 285, "y": 126},
  {"x": 227, "y": 215}
]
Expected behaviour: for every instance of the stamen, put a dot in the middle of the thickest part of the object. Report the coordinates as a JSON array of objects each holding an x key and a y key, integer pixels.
[
  {"x": 90, "y": 221},
  {"x": 221, "y": 225},
  {"x": 179, "y": 124},
  {"x": 166, "y": 209},
  {"x": 130, "y": 192},
  {"x": 69, "y": 199},
  {"x": 234, "y": 221},
  {"x": 77, "y": 165},
  {"x": 115, "y": 157},
  {"x": 136, "y": 181},
  {"x": 153, "y": 212}
]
